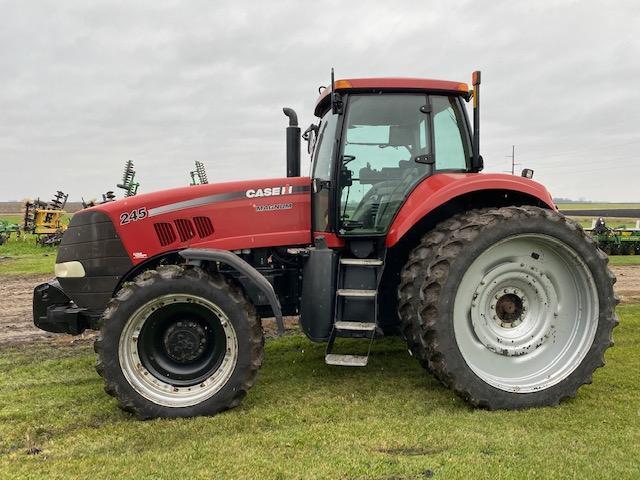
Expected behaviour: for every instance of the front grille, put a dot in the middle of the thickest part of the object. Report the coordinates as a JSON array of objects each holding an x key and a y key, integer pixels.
[{"x": 92, "y": 240}]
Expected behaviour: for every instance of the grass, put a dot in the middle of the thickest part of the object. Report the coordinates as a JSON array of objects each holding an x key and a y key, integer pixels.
[
  {"x": 19, "y": 256},
  {"x": 624, "y": 259},
  {"x": 596, "y": 206},
  {"x": 304, "y": 419},
  {"x": 22, "y": 255},
  {"x": 17, "y": 219}
]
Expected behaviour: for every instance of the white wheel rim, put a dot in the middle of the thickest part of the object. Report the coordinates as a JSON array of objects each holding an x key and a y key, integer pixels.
[
  {"x": 526, "y": 313},
  {"x": 158, "y": 390}
]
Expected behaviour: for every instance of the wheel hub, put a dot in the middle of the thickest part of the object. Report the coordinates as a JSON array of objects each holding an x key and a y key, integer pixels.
[
  {"x": 178, "y": 350},
  {"x": 510, "y": 308},
  {"x": 185, "y": 341},
  {"x": 513, "y": 309}
]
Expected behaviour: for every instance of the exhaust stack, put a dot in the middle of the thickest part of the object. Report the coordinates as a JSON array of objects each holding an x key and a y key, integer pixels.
[{"x": 293, "y": 143}]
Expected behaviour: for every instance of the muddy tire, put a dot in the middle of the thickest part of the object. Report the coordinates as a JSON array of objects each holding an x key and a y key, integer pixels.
[
  {"x": 179, "y": 342},
  {"x": 409, "y": 302},
  {"x": 515, "y": 307}
]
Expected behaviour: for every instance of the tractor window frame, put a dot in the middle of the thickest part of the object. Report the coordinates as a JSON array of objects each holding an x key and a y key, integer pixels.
[
  {"x": 468, "y": 132},
  {"x": 318, "y": 222},
  {"x": 320, "y": 142},
  {"x": 465, "y": 135},
  {"x": 340, "y": 136}
]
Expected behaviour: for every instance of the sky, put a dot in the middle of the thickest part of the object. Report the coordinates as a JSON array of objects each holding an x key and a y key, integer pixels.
[{"x": 85, "y": 86}]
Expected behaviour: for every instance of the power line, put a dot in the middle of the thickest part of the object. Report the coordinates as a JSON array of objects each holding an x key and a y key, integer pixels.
[{"x": 513, "y": 160}]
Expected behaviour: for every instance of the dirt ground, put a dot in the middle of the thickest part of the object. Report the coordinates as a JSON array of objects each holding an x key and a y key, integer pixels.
[
  {"x": 16, "y": 325},
  {"x": 628, "y": 284}
]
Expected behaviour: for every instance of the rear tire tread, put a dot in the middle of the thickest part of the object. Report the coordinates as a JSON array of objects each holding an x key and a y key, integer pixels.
[{"x": 428, "y": 273}]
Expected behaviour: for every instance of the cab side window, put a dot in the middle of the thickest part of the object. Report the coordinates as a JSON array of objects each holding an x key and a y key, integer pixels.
[{"x": 451, "y": 150}]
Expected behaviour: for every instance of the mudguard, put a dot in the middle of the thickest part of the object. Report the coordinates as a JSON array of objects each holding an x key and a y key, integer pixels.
[
  {"x": 442, "y": 188},
  {"x": 234, "y": 261}
]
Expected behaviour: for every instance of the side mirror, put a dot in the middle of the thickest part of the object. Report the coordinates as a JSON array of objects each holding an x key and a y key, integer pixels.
[{"x": 310, "y": 136}]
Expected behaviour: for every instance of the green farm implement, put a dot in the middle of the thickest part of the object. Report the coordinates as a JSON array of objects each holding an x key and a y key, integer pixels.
[
  {"x": 129, "y": 185},
  {"x": 6, "y": 229},
  {"x": 616, "y": 241}
]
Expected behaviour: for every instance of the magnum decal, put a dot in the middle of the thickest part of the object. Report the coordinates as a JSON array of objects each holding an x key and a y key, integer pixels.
[{"x": 275, "y": 206}]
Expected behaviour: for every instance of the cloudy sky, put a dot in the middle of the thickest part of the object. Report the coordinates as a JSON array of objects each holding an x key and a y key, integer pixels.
[{"x": 85, "y": 86}]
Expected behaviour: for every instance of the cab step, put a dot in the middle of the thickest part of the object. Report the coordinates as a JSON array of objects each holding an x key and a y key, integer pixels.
[
  {"x": 361, "y": 262},
  {"x": 349, "y": 292},
  {"x": 346, "y": 360},
  {"x": 355, "y": 326},
  {"x": 356, "y": 304}
]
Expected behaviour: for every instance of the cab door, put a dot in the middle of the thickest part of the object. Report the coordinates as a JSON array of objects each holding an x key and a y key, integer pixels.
[{"x": 391, "y": 142}]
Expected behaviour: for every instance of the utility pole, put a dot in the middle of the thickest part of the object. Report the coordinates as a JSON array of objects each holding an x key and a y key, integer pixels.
[{"x": 513, "y": 160}]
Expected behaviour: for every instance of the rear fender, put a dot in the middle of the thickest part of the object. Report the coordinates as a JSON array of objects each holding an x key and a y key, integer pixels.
[{"x": 441, "y": 189}]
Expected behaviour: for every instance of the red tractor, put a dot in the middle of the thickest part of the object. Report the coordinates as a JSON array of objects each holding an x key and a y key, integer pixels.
[{"x": 497, "y": 294}]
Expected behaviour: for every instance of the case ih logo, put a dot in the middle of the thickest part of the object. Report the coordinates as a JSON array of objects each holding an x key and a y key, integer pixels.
[{"x": 269, "y": 191}]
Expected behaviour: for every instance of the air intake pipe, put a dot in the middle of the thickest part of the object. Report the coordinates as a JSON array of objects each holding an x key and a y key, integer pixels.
[{"x": 293, "y": 143}]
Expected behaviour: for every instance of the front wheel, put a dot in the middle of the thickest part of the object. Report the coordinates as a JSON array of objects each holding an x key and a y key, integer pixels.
[
  {"x": 178, "y": 342},
  {"x": 516, "y": 308}
]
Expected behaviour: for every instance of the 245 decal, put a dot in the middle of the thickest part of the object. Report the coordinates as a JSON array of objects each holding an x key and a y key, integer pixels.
[{"x": 133, "y": 215}]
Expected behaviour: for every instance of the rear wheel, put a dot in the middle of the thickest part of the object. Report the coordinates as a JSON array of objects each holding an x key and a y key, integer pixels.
[
  {"x": 516, "y": 308},
  {"x": 178, "y": 342}
]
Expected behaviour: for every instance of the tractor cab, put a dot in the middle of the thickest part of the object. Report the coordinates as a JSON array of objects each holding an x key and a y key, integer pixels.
[{"x": 377, "y": 139}]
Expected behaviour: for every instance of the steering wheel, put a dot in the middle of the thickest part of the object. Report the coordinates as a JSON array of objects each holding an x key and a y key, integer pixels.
[
  {"x": 402, "y": 187},
  {"x": 362, "y": 211}
]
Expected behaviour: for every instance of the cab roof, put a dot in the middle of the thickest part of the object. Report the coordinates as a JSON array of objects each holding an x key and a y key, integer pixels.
[{"x": 392, "y": 84}]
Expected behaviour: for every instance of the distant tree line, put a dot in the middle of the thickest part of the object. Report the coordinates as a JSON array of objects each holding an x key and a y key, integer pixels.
[{"x": 569, "y": 200}]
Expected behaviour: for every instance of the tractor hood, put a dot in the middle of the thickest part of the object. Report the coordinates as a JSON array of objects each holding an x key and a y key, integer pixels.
[{"x": 228, "y": 216}]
